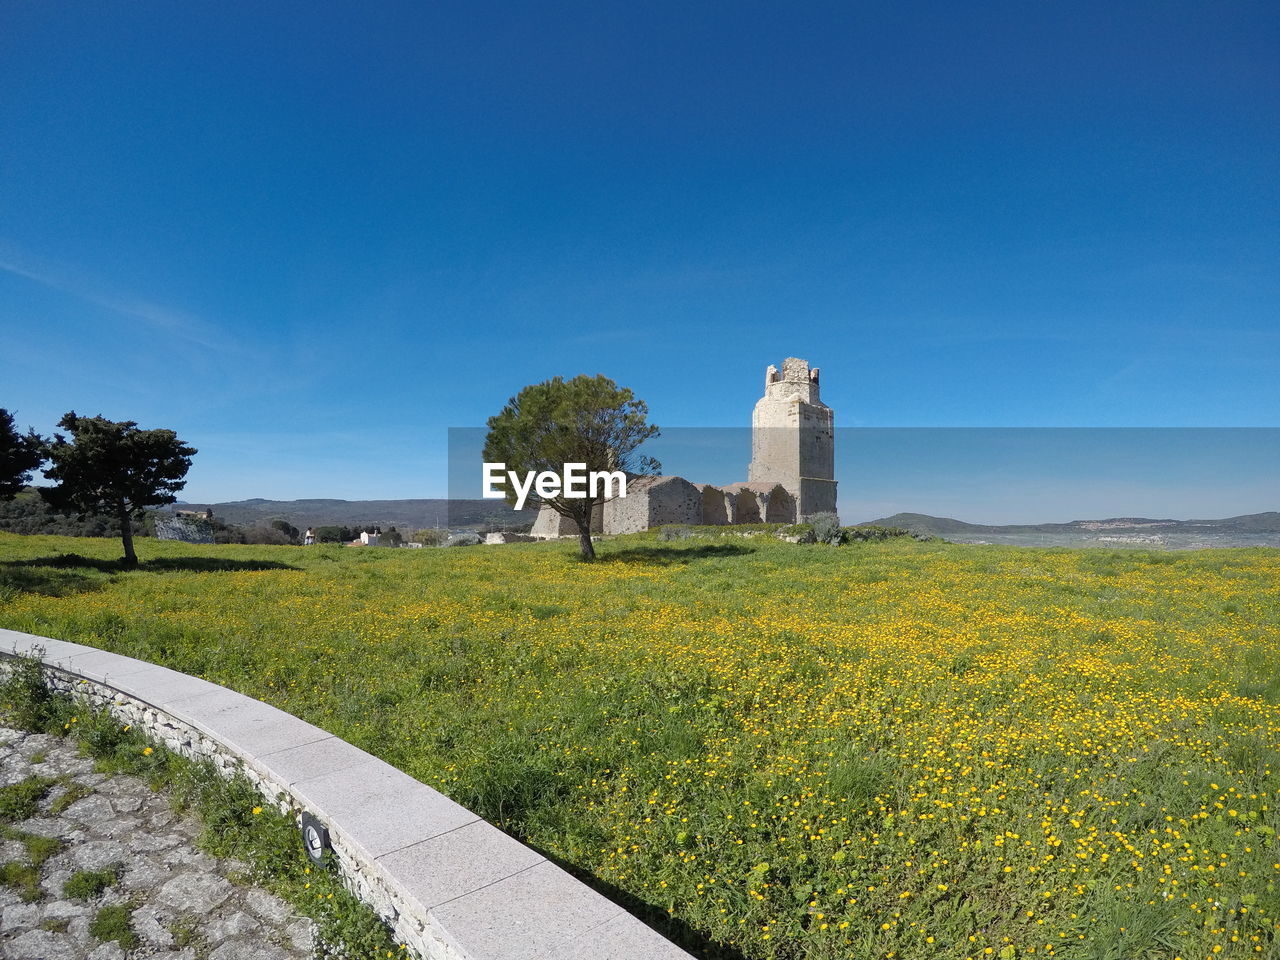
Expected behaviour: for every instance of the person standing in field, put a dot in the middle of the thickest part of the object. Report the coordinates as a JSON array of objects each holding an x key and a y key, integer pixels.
[{"x": 309, "y": 537}]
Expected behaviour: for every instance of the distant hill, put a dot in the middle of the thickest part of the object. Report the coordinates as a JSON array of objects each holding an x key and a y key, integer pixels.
[
  {"x": 1248, "y": 530},
  {"x": 405, "y": 515},
  {"x": 418, "y": 514}
]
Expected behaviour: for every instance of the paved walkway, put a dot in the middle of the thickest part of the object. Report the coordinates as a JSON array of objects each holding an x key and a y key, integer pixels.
[{"x": 182, "y": 904}]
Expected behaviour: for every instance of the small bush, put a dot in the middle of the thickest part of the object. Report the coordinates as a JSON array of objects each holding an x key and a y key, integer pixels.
[
  {"x": 873, "y": 533},
  {"x": 464, "y": 538},
  {"x": 827, "y": 529},
  {"x": 431, "y": 537},
  {"x": 675, "y": 531},
  {"x": 26, "y": 702}
]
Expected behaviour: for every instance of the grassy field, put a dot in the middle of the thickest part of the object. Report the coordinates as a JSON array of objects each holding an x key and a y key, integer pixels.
[{"x": 898, "y": 750}]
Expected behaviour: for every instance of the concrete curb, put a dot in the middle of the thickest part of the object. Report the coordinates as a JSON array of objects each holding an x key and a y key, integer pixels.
[{"x": 450, "y": 885}]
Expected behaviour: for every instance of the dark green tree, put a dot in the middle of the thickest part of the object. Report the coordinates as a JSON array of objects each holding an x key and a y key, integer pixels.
[
  {"x": 588, "y": 420},
  {"x": 20, "y": 454},
  {"x": 288, "y": 529},
  {"x": 113, "y": 468}
]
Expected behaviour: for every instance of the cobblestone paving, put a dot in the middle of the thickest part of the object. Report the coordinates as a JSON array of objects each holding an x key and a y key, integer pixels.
[{"x": 183, "y": 904}]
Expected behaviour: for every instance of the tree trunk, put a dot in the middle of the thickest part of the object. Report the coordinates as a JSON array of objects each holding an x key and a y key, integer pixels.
[
  {"x": 126, "y": 534},
  {"x": 584, "y": 538}
]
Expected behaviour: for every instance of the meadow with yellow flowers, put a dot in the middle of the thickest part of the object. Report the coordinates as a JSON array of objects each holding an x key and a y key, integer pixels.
[{"x": 889, "y": 750}]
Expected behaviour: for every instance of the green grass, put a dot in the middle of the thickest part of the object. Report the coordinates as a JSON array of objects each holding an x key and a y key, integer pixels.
[
  {"x": 114, "y": 923},
  {"x": 25, "y": 877},
  {"x": 186, "y": 933},
  {"x": 22, "y": 877},
  {"x": 90, "y": 884},
  {"x": 20, "y": 801},
  {"x": 74, "y": 792},
  {"x": 772, "y": 750},
  {"x": 39, "y": 849}
]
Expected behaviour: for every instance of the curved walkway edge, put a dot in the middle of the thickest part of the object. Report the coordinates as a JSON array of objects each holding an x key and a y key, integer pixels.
[{"x": 450, "y": 885}]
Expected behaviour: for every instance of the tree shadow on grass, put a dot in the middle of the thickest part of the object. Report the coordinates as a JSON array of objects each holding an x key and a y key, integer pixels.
[
  {"x": 45, "y": 581},
  {"x": 212, "y": 564},
  {"x": 73, "y": 561},
  {"x": 670, "y": 556}
]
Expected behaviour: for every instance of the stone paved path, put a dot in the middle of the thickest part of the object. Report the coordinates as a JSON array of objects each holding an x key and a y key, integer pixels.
[{"x": 184, "y": 905}]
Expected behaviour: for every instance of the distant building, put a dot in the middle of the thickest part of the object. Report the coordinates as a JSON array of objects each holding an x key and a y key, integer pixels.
[
  {"x": 791, "y": 475},
  {"x": 368, "y": 539}
]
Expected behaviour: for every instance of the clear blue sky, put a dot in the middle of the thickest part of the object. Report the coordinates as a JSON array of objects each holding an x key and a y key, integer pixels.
[{"x": 311, "y": 237}]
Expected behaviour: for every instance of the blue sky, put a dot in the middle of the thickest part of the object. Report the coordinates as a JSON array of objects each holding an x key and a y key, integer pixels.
[{"x": 310, "y": 237}]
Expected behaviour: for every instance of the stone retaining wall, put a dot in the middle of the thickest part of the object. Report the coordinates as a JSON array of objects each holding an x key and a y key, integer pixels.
[{"x": 450, "y": 885}]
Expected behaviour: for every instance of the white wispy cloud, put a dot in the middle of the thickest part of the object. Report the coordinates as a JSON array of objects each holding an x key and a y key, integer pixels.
[{"x": 175, "y": 323}]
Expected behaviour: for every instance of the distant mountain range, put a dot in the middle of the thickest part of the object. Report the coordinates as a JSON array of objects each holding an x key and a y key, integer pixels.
[
  {"x": 405, "y": 515},
  {"x": 1254, "y": 529},
  {"x": 946, "y": 527}
]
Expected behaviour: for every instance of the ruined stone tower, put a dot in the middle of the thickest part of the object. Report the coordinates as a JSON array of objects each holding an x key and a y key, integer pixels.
[{"x": 793, "y": 438}]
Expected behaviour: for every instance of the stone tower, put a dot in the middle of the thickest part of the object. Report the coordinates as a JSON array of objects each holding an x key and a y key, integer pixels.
[{"x": 793, "y": 438}]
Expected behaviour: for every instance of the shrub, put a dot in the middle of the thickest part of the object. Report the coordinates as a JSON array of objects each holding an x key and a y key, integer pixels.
[
  {"x": 871, "y": 532},
  {"x": 268, "y": 534},
  {"x": 464, "y": 538},
  {"x": 26, "y": 702},
  {"x": 827, "y": 529},
  {"x": 431, "y": 537}
]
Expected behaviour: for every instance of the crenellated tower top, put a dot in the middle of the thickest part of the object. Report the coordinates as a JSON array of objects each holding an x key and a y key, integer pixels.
[{"x": 797, "y": 381}]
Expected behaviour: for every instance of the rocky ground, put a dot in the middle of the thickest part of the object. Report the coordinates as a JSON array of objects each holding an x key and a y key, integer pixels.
[{"x": 180, "y": 903}]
